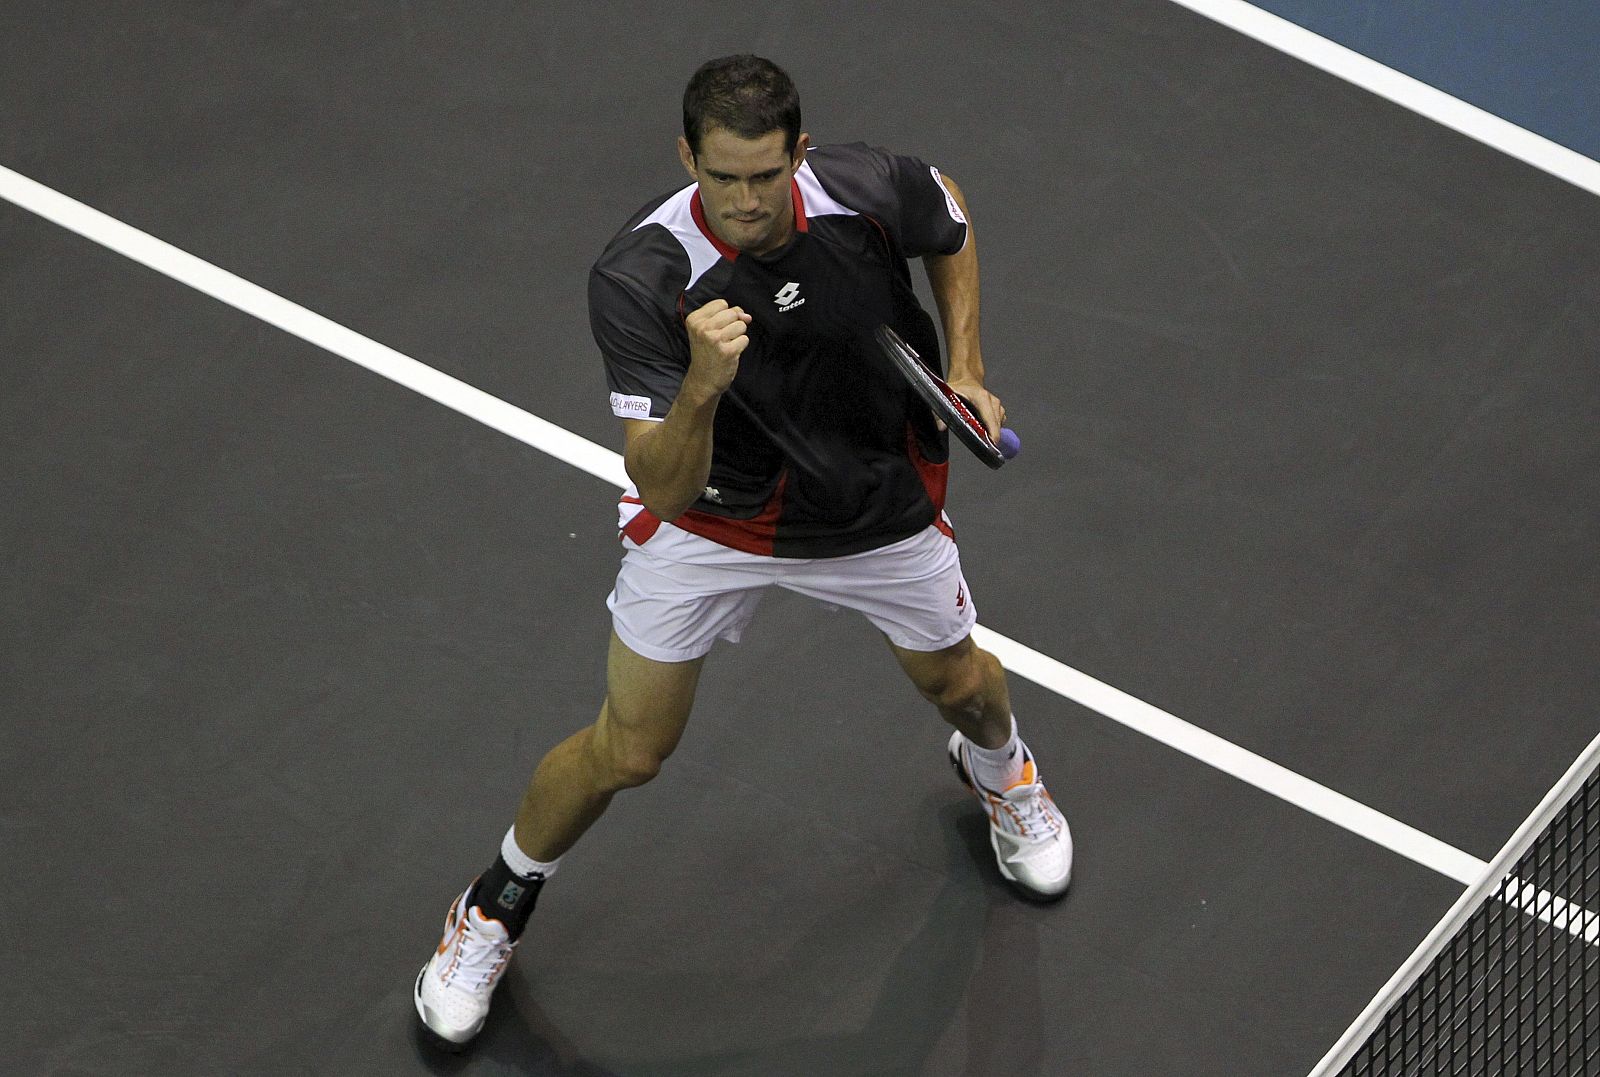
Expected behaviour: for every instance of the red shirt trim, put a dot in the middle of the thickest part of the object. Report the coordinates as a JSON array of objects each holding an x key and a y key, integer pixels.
[
  {"x": 757, "y": 535},
  {"x": 642, "y": 526},
  {"x": 935, "y": 477},
  {"x": 697, "y": 210},
  {"x": 800, "y": 224}
]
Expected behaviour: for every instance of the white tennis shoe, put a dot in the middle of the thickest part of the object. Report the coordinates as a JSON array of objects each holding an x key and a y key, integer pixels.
[
  {"x": 1032, "y": 842},
  {"x": 454, "y": 987}
]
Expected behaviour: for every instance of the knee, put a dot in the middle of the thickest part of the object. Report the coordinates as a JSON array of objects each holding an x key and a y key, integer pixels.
[
  {"x": 624, "y": 757},
  {"x": 631, "y": 766},
  {"x": 962, "y": 684}
]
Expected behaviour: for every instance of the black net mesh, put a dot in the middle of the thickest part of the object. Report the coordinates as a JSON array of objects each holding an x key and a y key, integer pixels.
[{"x": 1517, "y": 989}]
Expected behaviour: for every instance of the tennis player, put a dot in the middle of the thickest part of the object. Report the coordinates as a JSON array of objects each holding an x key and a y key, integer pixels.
[{"x": 768, "y": 444}]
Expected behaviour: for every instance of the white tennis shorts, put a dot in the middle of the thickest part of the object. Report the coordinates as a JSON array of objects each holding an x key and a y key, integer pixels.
[{"x": 679, "y": 593}]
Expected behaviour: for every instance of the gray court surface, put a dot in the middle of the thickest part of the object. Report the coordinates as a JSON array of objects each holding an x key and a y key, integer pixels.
[{"x": 1308, "y": 394}]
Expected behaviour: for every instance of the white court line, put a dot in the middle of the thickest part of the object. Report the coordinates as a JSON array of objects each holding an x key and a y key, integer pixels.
[
  {"x": 607, "y": 465},
  {"x": 1560, "y": 913},
  {"x": 1230, "y": 758},
  {"x": 296, "y": 320},
  {"x": 1403, "y": 90}
]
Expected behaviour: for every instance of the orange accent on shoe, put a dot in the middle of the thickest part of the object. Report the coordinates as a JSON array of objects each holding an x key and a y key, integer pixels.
[
  {"x": 452, "y": 926},
  {"x": 1030, "y": 776}
]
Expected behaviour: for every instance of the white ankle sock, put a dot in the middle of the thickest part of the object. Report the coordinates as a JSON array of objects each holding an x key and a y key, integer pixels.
[
  {"x": 998, "y": 768},
  {"x": 521, "y": 863}
]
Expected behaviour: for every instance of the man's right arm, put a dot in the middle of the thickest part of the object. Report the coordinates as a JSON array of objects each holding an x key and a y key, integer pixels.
[{"x": 669, "y": 461}]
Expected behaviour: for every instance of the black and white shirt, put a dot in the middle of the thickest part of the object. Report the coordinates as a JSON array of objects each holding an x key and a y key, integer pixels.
[{"x": 819, "y": 448}]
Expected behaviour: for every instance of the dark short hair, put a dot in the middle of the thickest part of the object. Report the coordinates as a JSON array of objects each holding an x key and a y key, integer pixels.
[{"x": 745, "y": 94}]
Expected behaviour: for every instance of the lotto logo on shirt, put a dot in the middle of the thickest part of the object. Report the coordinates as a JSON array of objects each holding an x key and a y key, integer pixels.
[
  {"x": 630, "y": 407},
  {"x": 788, "y": 296}
]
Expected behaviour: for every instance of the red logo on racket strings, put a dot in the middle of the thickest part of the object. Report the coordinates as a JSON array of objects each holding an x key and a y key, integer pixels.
[{"x": 961, "y": 597}]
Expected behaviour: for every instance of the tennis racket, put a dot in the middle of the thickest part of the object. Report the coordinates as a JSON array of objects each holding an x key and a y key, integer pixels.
[{"x": 946, "y": 403}]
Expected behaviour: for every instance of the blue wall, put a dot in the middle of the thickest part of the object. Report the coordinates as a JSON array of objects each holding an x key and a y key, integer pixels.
[{"x": 1536, "y": 64}]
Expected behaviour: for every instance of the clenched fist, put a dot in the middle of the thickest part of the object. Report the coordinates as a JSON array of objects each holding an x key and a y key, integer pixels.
[{"x": 717, "y": 337}]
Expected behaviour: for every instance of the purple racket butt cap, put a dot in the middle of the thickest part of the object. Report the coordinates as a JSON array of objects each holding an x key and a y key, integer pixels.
[{"x": 1010, "y": 444}]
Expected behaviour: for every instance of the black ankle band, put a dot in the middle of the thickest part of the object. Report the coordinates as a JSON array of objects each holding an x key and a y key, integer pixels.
[{"x": 504, "y": 895}]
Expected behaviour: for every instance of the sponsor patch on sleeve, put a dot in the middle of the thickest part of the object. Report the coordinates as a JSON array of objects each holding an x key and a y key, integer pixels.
[
  {"x": 949, "y": 199},
  {"x": 630, "y": 407}
]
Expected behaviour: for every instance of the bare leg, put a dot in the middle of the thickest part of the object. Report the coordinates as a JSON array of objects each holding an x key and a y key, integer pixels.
[
  {"x": 647, "y": 704},
  {"x": 646, "y": 708},
  {"x": 968, "y": 686},
  {"x": 1031, "y": 841}
]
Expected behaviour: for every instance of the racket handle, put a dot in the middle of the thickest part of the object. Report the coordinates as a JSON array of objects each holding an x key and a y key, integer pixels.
[{"x": 1009, "y": 443}]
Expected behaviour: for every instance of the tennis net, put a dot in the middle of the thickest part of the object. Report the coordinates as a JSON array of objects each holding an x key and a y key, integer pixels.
[{"x": 1509, "y": 982}]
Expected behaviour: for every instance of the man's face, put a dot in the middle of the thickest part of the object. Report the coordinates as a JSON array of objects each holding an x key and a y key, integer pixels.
[{"x": 745, "y": 186}]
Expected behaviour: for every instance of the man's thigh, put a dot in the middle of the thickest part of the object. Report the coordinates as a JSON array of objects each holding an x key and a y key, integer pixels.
[{"x": 647, "y": 702}]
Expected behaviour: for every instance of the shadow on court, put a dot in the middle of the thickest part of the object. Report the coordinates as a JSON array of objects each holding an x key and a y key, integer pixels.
[{"x": 973, "y": 931}]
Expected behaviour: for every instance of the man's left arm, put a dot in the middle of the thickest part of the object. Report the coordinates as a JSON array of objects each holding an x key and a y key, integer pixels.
[{"x": 954, "y": 280}]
